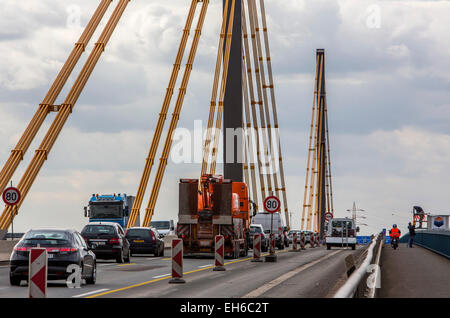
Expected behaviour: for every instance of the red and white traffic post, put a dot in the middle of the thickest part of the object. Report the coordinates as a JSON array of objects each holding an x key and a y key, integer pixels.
[
  {"x": 177, "y": 262},
  {"x": 302, "y": 240},
  {"x": 257, "y": 248},
  {"x": 219, "y": 253},
  {"x": 37, "y": 276},
  {"x": 317, "y": 239},
  {"x": 312, "y": 239},
  {"x": 294, "y": 243}
]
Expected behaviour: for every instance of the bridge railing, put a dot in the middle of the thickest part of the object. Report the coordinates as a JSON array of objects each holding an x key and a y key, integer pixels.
[
  {"x": 436, "y": 241},
  {"x": 363, "y": 282}
]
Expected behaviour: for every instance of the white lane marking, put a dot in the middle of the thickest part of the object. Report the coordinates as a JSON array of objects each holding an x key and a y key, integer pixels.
[
  {"x": 205, "y": 265},
  {"x": 161, "y": 276},
  {"x": 264, "y": 288},
  {"x": 107, "y": 264},
  {"x": 152, "y": 259},
  {"x": 90, "y": 293}
]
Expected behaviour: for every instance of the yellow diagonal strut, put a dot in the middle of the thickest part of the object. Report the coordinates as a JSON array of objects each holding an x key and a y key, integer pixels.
[
  {"x": 46, "y": 105},
  {"x": 162, "y": 117},
  {"x": 64, "y": 112},
  {"x": 175, "y": 117}
]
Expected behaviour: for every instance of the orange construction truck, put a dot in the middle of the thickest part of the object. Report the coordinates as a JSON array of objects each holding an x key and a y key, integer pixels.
[{"x": 217, "y": 207}]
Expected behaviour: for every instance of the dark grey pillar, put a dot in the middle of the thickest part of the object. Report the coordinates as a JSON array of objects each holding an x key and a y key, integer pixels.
[{"x": 232, "y": 114}]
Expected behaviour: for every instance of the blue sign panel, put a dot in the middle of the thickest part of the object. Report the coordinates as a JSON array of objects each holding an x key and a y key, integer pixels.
[{"x": 363, "y": 240}]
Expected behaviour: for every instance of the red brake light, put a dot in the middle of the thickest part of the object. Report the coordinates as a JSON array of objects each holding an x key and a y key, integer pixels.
[
  {"x": 153, "y": 235},
  {"x": 262, "y": 234},
  {"x": 114, "y": 240},
  {"x": 20, "y": 249},
  {"x": 68, "y": 249}
]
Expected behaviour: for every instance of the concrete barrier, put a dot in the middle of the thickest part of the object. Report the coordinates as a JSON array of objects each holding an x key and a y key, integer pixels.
[{"x": 6, "y": 248}]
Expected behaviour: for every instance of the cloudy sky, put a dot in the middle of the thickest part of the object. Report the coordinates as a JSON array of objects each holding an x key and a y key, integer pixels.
[{"x": 388, "y": 76}]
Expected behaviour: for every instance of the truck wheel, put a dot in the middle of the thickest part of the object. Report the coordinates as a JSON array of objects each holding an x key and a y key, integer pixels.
[
  {"x": 328, "y": 247},
  {"x": 353, "y": 247},
  {"x": 127, "y": 259}
]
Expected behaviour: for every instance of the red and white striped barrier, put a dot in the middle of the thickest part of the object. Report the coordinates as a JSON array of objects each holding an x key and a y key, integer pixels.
[
  {"x": 220, "y": 253},
  {"x": 317, "y": 240},
  {"x": 295, "y": 243},
  {"x": 312, "y": 240},
  {"x": 302, "y": 240},
  {"x": 257, "y": 248},
  {"x": 177, "y": 262},
  {"x": 37, "y": 276}
]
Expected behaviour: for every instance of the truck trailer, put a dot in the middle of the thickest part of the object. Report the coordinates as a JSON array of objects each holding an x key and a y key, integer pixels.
[{"x": 217, "y": 206}]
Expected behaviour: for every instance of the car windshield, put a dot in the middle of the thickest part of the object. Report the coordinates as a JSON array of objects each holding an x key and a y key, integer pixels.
[
  {"x": 46, "y": 238},
  {"x": 160, "y": 225},
  {"x": 105, "y": 211},
  {"x": 255, "y": 229},
  {"x": 138, "y": 233},
  {"x": 98, "y": 229},
  {"x": 340, "y": 223}
]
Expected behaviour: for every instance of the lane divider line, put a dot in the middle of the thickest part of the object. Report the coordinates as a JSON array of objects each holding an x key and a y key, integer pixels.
[
  {"x": 202, "y": 266},
  {"x": 161, "y": 276},
  {"x": 266, "y": 287},
  {"x": 165, "y": 277},
  {"x": 127, "y": 264},
  {"x": 90, "y": 293}
]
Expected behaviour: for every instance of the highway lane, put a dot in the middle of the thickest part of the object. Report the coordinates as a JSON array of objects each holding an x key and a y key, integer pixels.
[{"x": 148, "y": 276}]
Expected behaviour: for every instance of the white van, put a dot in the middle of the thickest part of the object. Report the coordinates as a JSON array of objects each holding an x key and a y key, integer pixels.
[
  {"x": 341, "y": 232},
  {"x": 279, "y": 229}
]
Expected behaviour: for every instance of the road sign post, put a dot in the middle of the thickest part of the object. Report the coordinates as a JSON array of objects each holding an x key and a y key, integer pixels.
[
  {"x": 37, "y": 276},
  {"x": 11, "y": 196},
  {"x": 271, "y": 205}
]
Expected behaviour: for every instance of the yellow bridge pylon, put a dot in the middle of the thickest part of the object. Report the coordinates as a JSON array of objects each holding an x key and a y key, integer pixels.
[{"x": 318, "y": 195}]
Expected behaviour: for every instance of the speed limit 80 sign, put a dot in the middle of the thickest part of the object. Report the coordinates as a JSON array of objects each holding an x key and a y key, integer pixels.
[
  {"x": 11, "y": 196},
  {"x": 272, "y": 204}
]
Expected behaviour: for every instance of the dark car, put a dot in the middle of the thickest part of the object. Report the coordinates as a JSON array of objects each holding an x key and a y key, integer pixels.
[
  {"x": 107, "y": 240},
  {"x": 145, "y": 240},
  {"x": 64, "y": 248}
]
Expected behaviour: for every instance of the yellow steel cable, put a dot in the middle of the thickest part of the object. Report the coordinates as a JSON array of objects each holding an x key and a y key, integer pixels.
[
  {"x": 248, "y": 144},
  {"x": 162, "y": 118},
  {"x": 271, "y": 86},
  {"x": 212, "y": 111},
  {"x": 175, "y": 117},
  {"x": 254, "y": 104},
  {"x": 222, "y": 89},
  {"x": 263, "y": 132},
  {"x": 64, "y": 112},
  {"x": 30, "y": 132}
]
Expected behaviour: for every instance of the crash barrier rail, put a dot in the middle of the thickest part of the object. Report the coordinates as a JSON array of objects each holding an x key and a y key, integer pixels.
[
  {"x": 363, "y": 281},
  {"x": 436, "y": 241}
]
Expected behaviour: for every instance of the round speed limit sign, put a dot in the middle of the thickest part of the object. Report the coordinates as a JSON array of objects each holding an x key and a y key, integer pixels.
[
  {"x": 272, "y": 204},
  {"x": 11, "y": 196}
]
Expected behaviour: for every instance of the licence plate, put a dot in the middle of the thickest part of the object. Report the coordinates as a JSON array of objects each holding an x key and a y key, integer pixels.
[
  {"x": 97, "y": 243},
  {"x": 50, "y": 255},
  {"x": 138, "y": 241}
]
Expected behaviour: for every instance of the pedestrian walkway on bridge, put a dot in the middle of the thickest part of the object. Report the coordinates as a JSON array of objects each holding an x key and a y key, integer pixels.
[{"x": 414, "y": 273}]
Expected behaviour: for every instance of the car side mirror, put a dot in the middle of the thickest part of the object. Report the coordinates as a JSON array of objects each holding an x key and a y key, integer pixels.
[
  {"x": 85, "y": 212},
  {"x": 357, "y": 229},
  {"x": 172, "y": 228}
]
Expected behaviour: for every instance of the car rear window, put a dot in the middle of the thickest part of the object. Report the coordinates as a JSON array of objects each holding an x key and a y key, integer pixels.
[
  {"x": 99, "y": 229},
  {"x": 138, "y": 233},
  {"x": 255, "y": 229},
  {"x": 46, "y": 238}
]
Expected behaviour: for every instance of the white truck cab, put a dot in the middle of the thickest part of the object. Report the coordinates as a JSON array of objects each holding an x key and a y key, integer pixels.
[{"x": 341, "y": 232}]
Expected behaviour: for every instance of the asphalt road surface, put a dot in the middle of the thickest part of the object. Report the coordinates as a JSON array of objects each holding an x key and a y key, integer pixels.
[
  {"x": 414, "y": 273},
  {"x": 309, "y": 273}
]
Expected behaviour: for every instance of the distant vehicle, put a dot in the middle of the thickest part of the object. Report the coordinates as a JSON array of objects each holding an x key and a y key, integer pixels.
[
  {"x": 258, "y": 229},
  {"x": 64, "y": 247},
  {"x": 307, "y": 236},
  {"x": 164, "y": 227},
  {"x": 279, "y": 230},
  {"x": 291, "y": 235},
  {"x": 107, "y": 240},
  {"x": 145, "y": 240},
  {"x": 341, "y": 232},
  {"x": 110, "y": 208}
]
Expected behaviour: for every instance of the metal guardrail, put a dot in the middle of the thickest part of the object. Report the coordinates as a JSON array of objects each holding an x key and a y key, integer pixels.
[
  {"x": 436, "y": 241},
  {"x": 356, "y": 286}
]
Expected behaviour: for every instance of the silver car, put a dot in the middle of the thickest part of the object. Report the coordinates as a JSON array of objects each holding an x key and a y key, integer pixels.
[{"x": 291, "y": 235}]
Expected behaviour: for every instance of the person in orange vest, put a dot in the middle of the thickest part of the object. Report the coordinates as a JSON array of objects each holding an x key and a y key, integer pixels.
[{"x": 394, "y": 233}]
